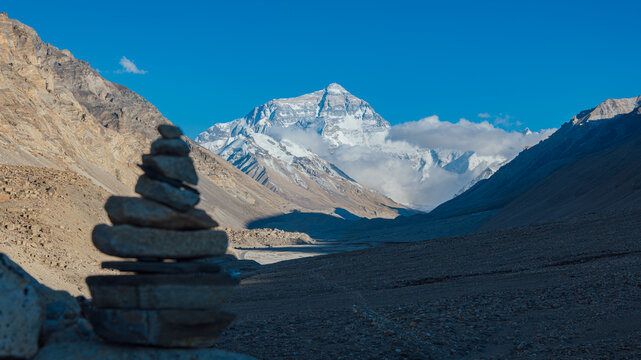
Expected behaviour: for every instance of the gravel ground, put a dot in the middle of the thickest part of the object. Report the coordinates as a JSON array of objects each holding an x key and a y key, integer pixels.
[{"x": 553, "y": 291}]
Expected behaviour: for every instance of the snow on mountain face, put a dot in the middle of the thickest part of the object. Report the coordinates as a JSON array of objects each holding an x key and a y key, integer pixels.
[
  {"x": 335, "y": 114},
  {"x": 303, "y": 137}
]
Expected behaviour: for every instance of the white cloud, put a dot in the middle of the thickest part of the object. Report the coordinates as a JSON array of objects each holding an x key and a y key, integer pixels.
[
  {"x": 480, "y": 137},
  {"x": 484, "y": 115},
  {"x": 129, "y": 66},
  {"x": 404, "y": 164}
]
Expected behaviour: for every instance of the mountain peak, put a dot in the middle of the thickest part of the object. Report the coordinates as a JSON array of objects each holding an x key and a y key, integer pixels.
[
  {"x": 335, "y": 88},
  {"x": 607, "y": 110}
]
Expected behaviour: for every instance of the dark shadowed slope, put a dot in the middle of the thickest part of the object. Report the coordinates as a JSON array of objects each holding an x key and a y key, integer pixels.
[
  {"x": 605, "y": 181},
  {"x": 591, "y": 132},
  {"x": 567, "y": 290}
]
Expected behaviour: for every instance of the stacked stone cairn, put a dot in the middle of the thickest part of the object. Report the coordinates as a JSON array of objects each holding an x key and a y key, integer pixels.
[{"x": 170, "y": 298}]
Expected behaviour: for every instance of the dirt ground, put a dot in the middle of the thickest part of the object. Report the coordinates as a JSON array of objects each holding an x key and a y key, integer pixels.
[
  {"x": 46, "y": 219},
  {"x": 552, "y": 291}
]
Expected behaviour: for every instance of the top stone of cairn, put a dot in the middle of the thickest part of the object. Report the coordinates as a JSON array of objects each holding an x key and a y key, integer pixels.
[{"x": 169, "y": 131}]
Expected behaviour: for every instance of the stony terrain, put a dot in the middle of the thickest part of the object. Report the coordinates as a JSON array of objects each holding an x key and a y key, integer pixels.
[
  {"x": 58, "y": 112},
  {"x": 551, "y": 291},
  {"x": 46, "y": 218}
]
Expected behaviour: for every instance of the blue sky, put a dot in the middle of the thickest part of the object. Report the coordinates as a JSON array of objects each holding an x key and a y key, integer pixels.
[{"x": 532, "y": 63}]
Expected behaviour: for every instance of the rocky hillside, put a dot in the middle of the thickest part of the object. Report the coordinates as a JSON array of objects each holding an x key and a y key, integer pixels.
[
  {"x": 590, "y": 164},
  {"x": 57, "y": 112}
]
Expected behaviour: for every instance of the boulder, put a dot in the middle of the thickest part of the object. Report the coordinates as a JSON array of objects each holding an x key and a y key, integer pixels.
[
  {"x": 142, "y": 212},
  {"x": 103, "y": 351},
  {"x": 21, "y": 312},
  {"x": 176, "y": 147},
  {"x": 181, "y": 199},
  {"x": 169, "y": 131},
  {"x": 161, "y": 291},
  {"x": 179, "y": 168},
  {"x": 134, "y": 242}
]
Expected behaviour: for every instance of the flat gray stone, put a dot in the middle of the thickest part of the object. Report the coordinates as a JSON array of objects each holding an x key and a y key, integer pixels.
[
  {"x": 176, "y": 147},
  {"x": 142, "y": 212},
  {"x": 103, "y": 351},
  {"x": 174, "y": 167},
  {"x": 181, "y": 267},
  {"x": 21, "y": 312},
  {"x": 161, "y": 291},
  {"x": 135, "y": 242},
  {"x": 169, "y": 131},
  {"x": 181, "y": 199},
  {"x": 164, "y": 328}
]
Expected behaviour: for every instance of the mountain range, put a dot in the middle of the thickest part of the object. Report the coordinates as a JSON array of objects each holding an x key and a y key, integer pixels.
[
  {"x": 333, "y": 140},
  {"x": 58, "y": 112}
]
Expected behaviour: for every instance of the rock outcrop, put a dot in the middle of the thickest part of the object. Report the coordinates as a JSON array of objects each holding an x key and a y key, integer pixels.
[
  {"x": 41, "y": 323},
  {"x": 21, "y": 313},
  {"x": 169, "y": 301}
]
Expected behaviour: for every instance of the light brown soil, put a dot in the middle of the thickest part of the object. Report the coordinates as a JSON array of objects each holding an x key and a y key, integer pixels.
[
  {"x": 552, "y": 291},
  {"x": 46, "y": 219}
]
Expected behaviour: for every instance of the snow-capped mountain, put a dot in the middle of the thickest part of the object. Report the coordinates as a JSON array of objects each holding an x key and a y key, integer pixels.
[{"x": 331, "y": 138}]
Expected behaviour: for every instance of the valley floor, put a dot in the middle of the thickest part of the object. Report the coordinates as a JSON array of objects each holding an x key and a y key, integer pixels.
[{"x": 550, "y": 291}]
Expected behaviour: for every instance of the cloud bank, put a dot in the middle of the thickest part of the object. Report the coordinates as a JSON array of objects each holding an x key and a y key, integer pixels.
[
  {"x": 421, "y": 163},
  {"x": 482, "y": 138},
  {"x": 128, "y": 66}
]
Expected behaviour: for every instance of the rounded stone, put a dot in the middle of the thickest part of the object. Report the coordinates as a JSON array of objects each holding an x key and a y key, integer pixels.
[
  {"x": 169, "y": 131},
  {"x": 176, "y": 147}
]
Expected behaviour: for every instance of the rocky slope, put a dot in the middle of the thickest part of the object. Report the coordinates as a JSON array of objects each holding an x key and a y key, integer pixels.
[
  {"x": 333, "y": 140},
  {"x": 562, "y": 290},
  {"x": 606, "y": 180},
  {"x": 68, "y": 139},
  {"x": 594, "y": 153},
  {"x": 46, "y": 219},
  {"x": 57, "y": 112}
]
